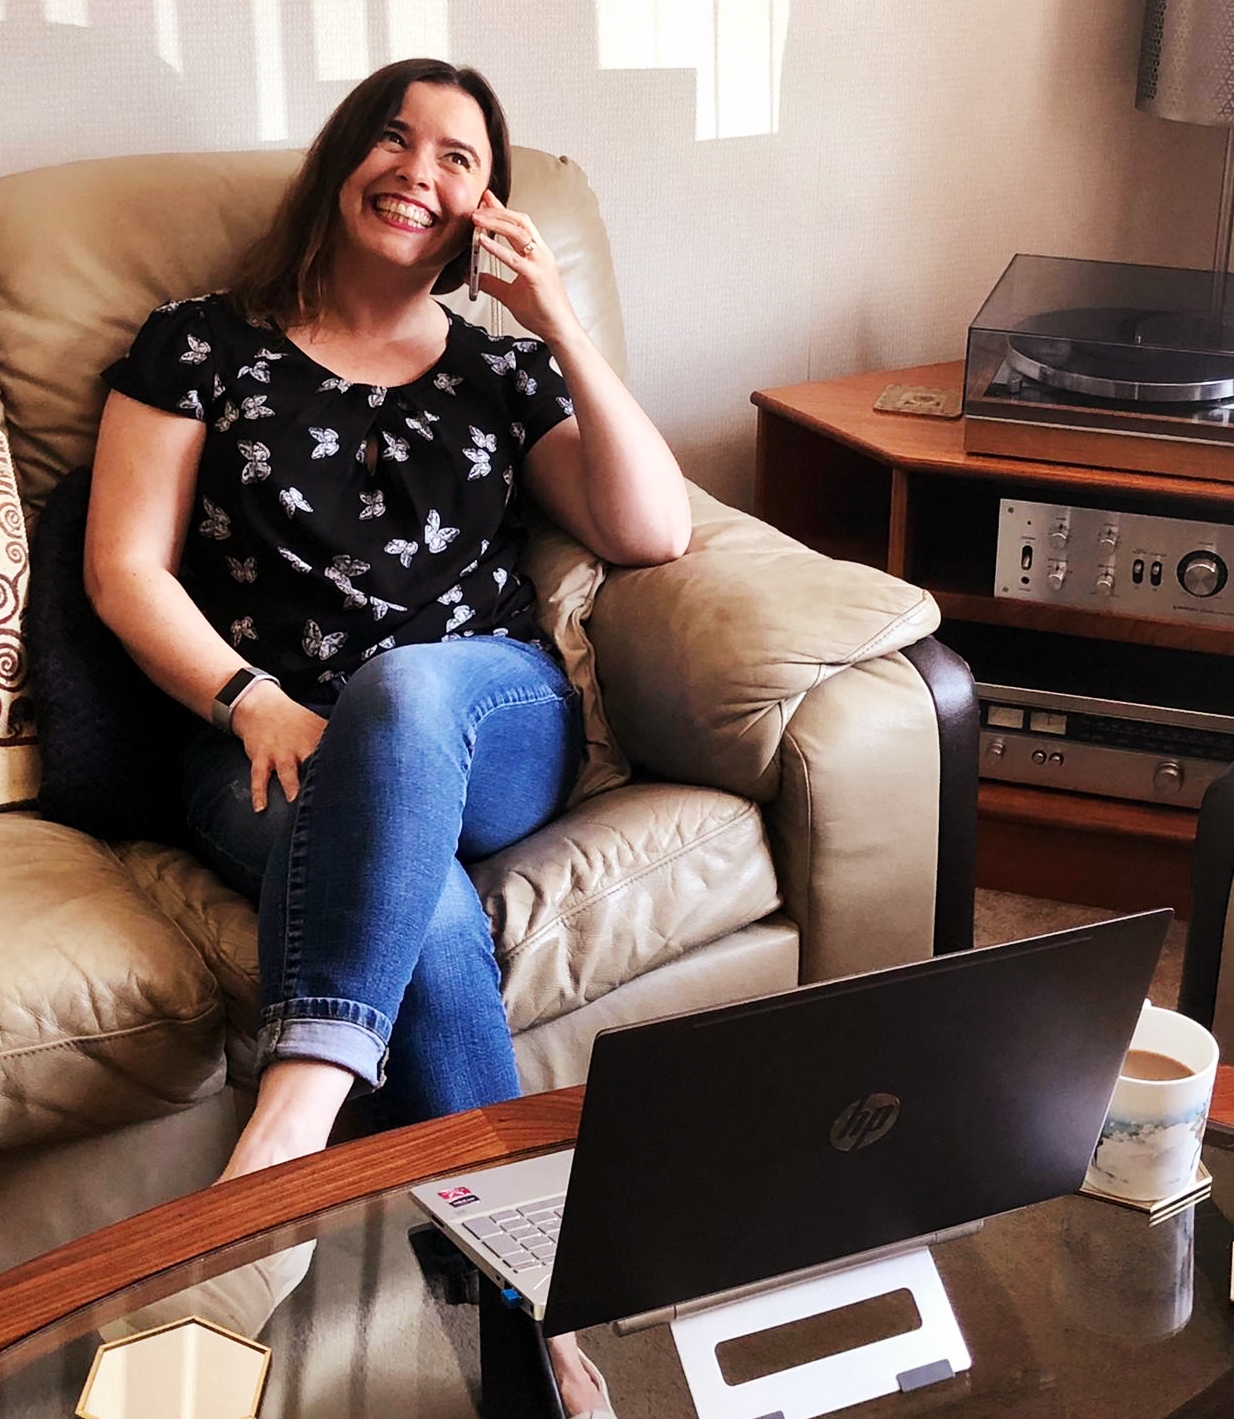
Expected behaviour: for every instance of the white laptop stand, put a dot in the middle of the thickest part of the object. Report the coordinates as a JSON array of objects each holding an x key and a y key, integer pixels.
[{"x": 933, "y": 1351}]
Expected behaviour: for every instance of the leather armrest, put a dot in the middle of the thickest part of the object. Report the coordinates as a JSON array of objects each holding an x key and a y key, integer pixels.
[
  {"x": 705, "y": 660},
  {"x": 756, "y": 665}
]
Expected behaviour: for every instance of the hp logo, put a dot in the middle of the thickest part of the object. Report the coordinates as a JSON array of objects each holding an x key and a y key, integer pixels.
[{"x": 865, "y": 1121}]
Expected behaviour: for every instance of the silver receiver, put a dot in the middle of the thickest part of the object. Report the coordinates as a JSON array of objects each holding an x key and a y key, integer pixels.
[
  {"x": 1150, "y": 753},
  {"x": 1169, "y": 568}
]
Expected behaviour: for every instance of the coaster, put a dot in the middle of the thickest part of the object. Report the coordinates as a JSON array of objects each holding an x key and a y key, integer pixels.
[
  {"x": 1164, "y": 1207},
  {"x": 918, "y": 399}
]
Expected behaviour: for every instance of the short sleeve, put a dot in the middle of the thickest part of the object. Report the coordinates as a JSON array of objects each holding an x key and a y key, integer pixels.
[
  {"x": 542, "y": 395},
  {"x": 171, "y": 364}
]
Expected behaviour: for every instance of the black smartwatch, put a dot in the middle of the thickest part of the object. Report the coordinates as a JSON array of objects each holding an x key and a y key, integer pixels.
[{"x": 232, "y": 693}]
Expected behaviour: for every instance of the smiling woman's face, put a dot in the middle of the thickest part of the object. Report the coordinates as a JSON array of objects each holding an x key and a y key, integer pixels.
[{"x": 411, "y": 199}]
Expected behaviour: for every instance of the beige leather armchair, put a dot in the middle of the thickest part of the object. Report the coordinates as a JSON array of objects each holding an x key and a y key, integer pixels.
[{"x": 765, "y": 796}]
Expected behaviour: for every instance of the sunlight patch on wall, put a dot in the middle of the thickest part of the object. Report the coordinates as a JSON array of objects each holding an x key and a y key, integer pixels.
[
  {"x": 418, "y": 31},
  {"x": 167, "y": 34},
  {"x": 271, "y": 89},
  {"x": 66, "y": 12},
  {"x": 340, "y": 39},
  {"x": 735, "y": 47}
]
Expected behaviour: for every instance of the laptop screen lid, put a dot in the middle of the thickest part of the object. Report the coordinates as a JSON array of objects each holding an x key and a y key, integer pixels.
[{"x": 724, "y": 1147}]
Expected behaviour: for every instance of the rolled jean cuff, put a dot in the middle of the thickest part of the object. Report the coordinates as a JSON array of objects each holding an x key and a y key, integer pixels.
[{"x": 298, "y": 1029}]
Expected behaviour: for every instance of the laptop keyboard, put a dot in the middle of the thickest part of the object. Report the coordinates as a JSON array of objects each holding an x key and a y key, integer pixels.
[{"x": 522, "y": 1237}]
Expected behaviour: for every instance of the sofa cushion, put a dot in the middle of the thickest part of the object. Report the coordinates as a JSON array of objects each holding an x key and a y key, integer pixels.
[
  {"x": 108, "y": 736},
  {"x": 619, "y": 885},
  {"x": 616, "y": 886},
  {"x": 567, "y": 577},
  {"x": 107, "y": 1013}
]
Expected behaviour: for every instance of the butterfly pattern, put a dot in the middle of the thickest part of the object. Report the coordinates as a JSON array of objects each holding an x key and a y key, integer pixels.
[
  {"x": 396, "y": 448},
  {"x": 294, "y": 501},
  {"x": 480, "y": 455},
  {"x": 337, "y": 559},
  {"x": 318, "y": 645},
  {"x": 196, "y": 352},
  {"x": 419, "y": 423},
  {"x": 327, "y": 443},
  {"x": 436, "y": 537},
  {"x": 256, "y": 461},
  {"x": 403, "y": 550}
]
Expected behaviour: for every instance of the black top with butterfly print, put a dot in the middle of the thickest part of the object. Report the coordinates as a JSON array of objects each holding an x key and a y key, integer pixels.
[{"x": 304, "y": 558}]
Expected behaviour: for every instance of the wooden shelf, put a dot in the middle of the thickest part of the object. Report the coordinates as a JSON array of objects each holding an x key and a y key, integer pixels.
[
  {"x": 1073, "y": 621},
  {"x": 902, "y": 493}
]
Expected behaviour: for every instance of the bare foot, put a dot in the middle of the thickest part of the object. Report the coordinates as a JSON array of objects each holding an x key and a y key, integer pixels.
[
  {"x": 577, "y": 1378},
  {"x": 297, "y": 1103}
]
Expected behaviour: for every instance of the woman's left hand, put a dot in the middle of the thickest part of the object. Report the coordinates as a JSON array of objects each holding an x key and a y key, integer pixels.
[{"x": 535, "y": 295}]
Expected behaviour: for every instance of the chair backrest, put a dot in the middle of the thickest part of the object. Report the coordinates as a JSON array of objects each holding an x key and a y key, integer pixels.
[{"x": 88, "y": 249}]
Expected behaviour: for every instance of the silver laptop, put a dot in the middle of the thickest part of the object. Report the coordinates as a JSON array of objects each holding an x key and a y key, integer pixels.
[{"x": 721, "y": 1149}]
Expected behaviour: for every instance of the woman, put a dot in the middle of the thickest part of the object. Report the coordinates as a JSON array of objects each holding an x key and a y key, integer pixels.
[{"x": 304, "y": 525}]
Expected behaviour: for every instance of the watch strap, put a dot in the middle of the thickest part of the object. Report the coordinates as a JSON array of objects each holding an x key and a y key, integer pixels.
[{"x": 232, "y": 693}]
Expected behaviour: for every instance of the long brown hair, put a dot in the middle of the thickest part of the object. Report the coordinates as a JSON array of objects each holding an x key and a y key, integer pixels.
[{"x": 282, "y": 277}]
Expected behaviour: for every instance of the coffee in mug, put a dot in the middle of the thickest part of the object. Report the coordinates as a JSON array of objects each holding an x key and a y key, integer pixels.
[{"x": 1149, "y": 1064}]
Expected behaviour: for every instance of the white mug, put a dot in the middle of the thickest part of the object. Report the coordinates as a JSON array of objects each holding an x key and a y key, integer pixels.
[{"x": 1150, "y": 1142}]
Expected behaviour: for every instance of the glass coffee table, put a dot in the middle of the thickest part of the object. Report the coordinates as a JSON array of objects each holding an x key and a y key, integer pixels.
[{"x": 1074, "y": 1307}]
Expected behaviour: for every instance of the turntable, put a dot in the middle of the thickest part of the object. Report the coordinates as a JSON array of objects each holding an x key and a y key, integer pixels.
[{"x": 1105, "y": 364}]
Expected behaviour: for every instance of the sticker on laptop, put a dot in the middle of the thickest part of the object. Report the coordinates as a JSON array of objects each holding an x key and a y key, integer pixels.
[{"x": 460, "y": 1196}]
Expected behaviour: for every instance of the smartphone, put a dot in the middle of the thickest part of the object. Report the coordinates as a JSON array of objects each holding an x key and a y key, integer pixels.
[{"x": 473, "y": 274}]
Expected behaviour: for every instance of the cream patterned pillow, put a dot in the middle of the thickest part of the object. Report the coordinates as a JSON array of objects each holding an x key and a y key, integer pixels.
[{"x": 19, "y": 764}]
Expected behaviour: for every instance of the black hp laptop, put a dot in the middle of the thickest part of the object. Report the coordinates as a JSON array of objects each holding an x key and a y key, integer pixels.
[{"x": 726, "y": 1147}]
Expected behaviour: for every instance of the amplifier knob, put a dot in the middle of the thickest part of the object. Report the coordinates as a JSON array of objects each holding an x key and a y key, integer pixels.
[
  {"x": 1108, "y": 537},
  {"x": 995, "y": 749},
  {"x": 1056, "y": 576},
  {"x": 1059, "y": 534},
  {"x": 1168, "y": 776},
  {"x": 1202, "y": 573},
  {"x": 1105, "y": 583}
]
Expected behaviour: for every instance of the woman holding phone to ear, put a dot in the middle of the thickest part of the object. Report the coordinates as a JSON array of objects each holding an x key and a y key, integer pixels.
[{"x": 304, "y": 525}]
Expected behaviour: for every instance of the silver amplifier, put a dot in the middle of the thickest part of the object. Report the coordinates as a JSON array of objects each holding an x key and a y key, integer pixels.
[
  {"x": 1149, "y": 753},
  {"x": 1174, "y": 569}
]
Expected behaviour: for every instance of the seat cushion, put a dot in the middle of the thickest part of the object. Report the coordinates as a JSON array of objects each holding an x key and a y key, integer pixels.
[
  {"x": 107, "y": 1013},
  {"x": 618, "y": 885}
]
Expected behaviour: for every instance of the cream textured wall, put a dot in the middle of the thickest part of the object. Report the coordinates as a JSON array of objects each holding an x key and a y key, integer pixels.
[{"x": 907, "y": 149}]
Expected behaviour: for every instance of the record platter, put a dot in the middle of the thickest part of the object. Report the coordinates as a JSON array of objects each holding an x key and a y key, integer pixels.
[{"x": 1101, "y": 363}]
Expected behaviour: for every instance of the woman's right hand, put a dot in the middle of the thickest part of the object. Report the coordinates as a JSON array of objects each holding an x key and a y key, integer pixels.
[{"x": 278, "y": 736}]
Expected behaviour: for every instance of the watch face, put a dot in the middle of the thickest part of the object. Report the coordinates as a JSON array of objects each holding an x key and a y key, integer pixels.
[{"x": 239, "y": 681}]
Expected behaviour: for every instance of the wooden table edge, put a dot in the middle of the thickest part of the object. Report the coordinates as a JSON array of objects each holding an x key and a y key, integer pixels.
[{"x": 63, "y": 1294}]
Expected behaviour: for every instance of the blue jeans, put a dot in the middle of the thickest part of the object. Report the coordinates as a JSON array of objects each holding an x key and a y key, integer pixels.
[{"x": 375, "y": 951}]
